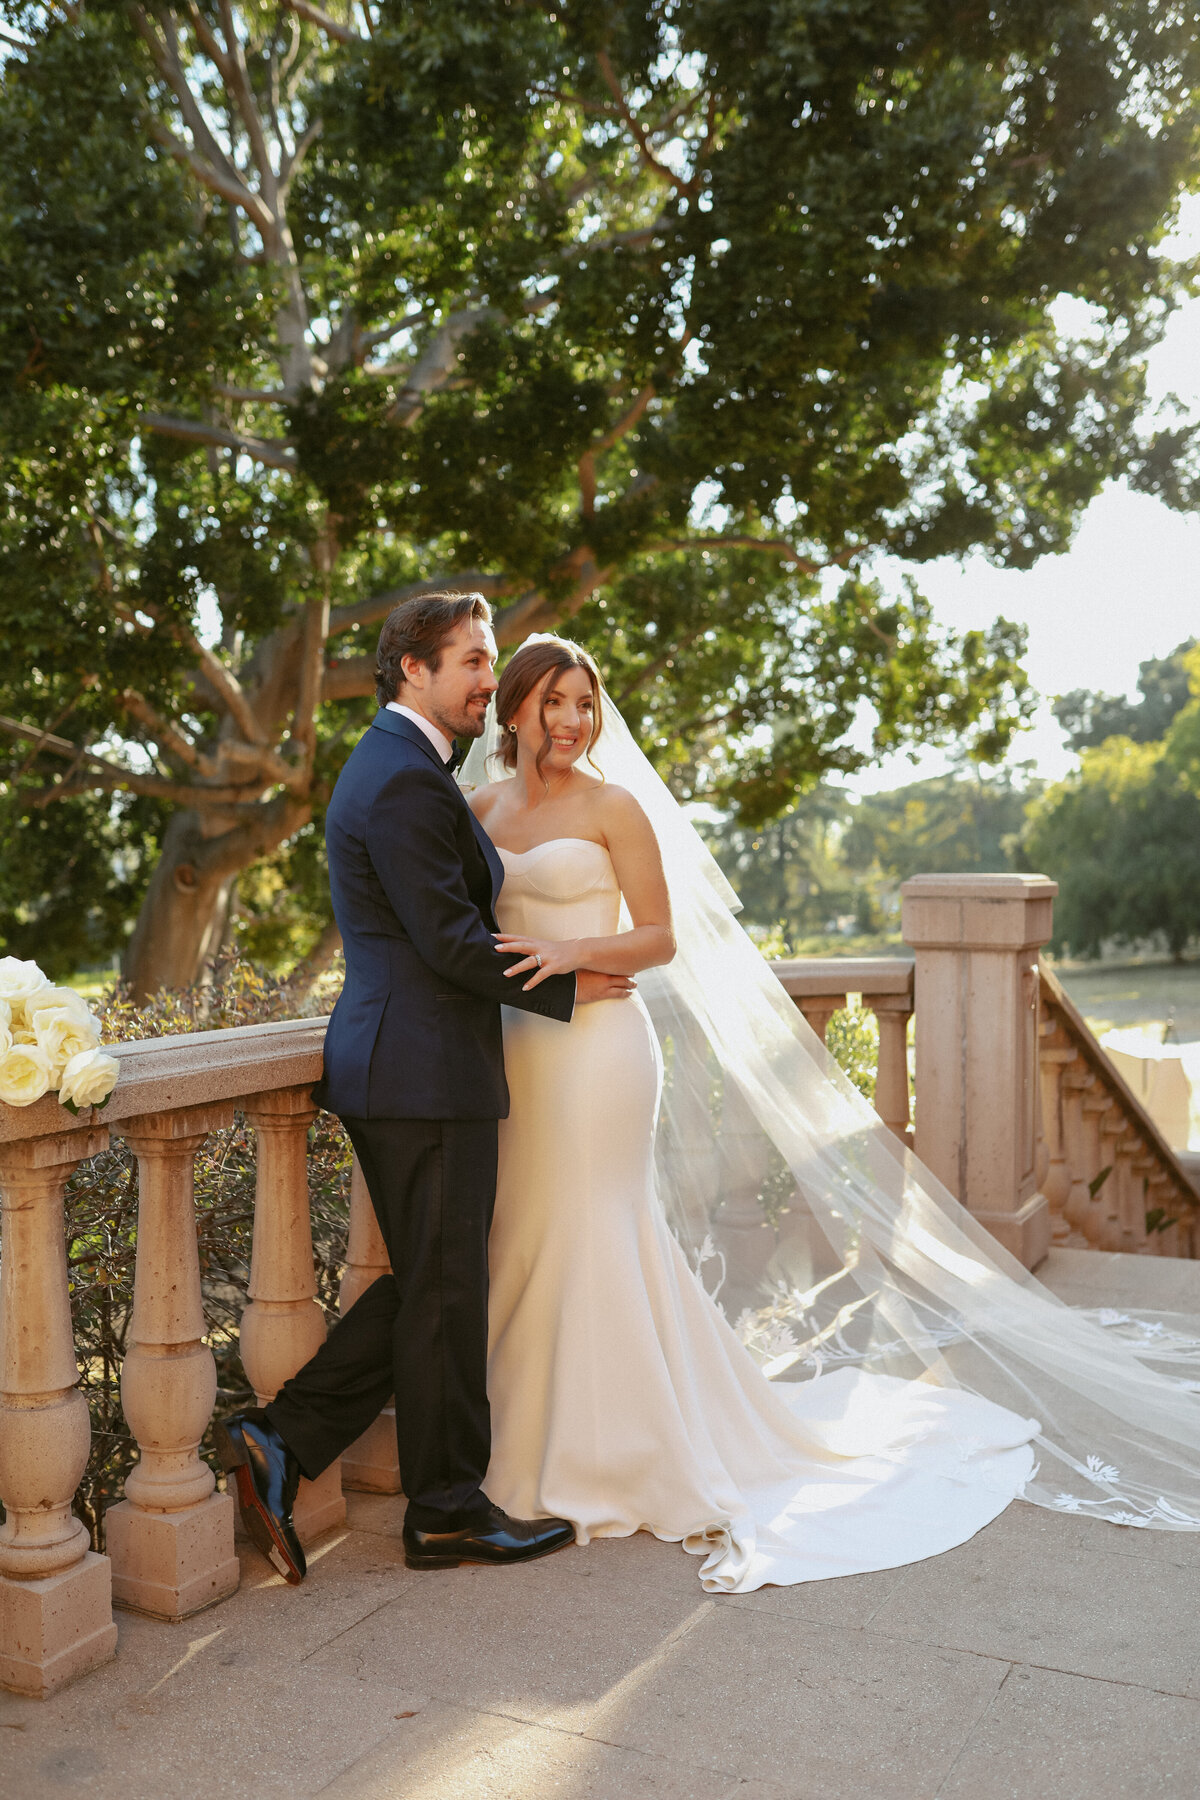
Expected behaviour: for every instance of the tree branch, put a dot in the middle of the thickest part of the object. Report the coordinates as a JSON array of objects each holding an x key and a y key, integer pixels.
[
  {"x": 777, "y": 546},
  {"x": 167, "y": 735},
  {"x": 369, "y": 612},
  {"x": 230, "y": 186},
  {"x": 274, "y": 453},
  {"x": 211, "y": 164},
  {"x": 681, "y": 186},
  {"x": 344, "y": 34},
  {"x": 109, "y": 779},
  {"x": 437, "y": 363}
]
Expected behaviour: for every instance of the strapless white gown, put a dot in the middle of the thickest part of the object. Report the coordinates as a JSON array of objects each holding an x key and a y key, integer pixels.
[{"x": 621, "y": 1398}]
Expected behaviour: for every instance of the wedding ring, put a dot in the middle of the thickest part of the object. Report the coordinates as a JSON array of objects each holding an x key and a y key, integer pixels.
[{"x": 537, "y": 959}]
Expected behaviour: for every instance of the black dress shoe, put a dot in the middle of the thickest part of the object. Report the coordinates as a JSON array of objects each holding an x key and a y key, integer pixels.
[
  {"x": 494, "y": 1539},
  {"x": 267, "y": 1476}
]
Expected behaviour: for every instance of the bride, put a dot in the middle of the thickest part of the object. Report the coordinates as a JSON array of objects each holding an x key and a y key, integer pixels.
[
  {"x": 890, "y": 1368},
  {"x": 621, "y": 1398}
]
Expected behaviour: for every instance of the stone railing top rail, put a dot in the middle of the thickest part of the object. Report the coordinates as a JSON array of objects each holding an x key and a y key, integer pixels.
[
  {"x": 805, "y": 976},
  {"x": 191, "y": 1069},
  {"x": 1058, "y": 1006}
]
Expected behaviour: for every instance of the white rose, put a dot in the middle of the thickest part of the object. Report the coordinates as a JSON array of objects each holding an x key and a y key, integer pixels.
[
  {"x": 24, "y": 1075},
  {"x": 6, "y": 1041},
  {"x": 5, "y": 1013},
  {"x": 89, "y": 1078},
  {"x": 19, "y": 981},
  {"x": 61, "y": 1035},
  {"x": 59, "y": 999}
]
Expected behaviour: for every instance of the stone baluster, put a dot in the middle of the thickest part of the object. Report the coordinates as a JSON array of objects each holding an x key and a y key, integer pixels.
[
  {"x": 1095, "y": 1104},
  {"x": 1114, "y": 1128},
  {"x": 892, "y": 1100},
  {"x": 818, "y": 1009},
  {"x": 976, "y": 939},
  {"x": 171, "y": 1538},
  {"x": 1129, "y": 1193},
  {"x": 1077, "y": 1083},
  {"x": 283, "y": 1325},
  {"x": 1163, "y": 1196},
  {"x": 55, "y": 1594},
  {"x": 1053, "y": 1060},
  {"x": 1143, "y": 1166},
  {"x": 372, "y": 1463}
]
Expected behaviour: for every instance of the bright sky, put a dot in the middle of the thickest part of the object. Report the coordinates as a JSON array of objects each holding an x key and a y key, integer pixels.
[{"x": 1128, "y": 589}]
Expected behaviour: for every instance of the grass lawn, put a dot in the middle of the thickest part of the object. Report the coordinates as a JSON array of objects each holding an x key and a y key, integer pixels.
[{"x": 1143, "y": 991}]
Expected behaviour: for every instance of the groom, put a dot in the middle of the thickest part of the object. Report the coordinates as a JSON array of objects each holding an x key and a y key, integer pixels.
[{"x": 414, "y": 1065}]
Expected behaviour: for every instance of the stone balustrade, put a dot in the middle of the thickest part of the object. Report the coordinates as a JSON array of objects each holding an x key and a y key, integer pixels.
[
  {"x": 1112, "y": 1181},
  {"x": 1017, "y": 1109},
  {"x": 821, "y": 986}
]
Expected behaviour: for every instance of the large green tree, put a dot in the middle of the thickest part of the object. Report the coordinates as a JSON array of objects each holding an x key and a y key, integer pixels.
[
  {"x": 1122, "y": 835},
  {"x": 661, "y": 319}
]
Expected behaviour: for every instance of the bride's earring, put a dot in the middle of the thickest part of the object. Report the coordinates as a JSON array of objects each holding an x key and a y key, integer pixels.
[{"x": 511, "y": 728}]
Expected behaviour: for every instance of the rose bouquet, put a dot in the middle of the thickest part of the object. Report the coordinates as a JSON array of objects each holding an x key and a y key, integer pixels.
[{"x": 49, "y": 1042}]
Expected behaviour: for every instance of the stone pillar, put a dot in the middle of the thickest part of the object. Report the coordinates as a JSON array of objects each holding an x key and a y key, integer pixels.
[
  {"x": 976, "y": 939},
  {"x": 55, "y": 1594},
  {"x": 283, "y": 1325},
  {"x": 892, "y": 1012},
  {"x": 372, "y": 1463},
  {"x": 171, "y": 1538}
]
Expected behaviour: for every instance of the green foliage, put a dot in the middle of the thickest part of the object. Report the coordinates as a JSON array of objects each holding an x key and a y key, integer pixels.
[
  {"x": 852, "y": 1038},
  {"x": 1089, "y": 719},
  {"x": 951, "y": 824},
  {"x": 1122, "y": 839},
  {"x": 833, "y": 858}
]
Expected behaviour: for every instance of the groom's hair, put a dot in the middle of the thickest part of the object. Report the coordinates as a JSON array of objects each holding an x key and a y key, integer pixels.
[{"x": 421, "y": 627}]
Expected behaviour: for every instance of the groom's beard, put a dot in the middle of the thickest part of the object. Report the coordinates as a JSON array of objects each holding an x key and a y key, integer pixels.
[{"x": 471, "y": 722}]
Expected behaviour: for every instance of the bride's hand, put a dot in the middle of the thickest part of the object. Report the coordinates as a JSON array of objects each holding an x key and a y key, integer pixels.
[{"x": 543, "y": 955}]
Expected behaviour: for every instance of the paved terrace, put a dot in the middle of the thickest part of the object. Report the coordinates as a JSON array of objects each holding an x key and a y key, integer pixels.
[{"x": 1051, "y": 1656}]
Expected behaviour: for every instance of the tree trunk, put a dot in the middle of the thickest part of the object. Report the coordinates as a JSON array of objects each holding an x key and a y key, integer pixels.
[
  {"x": 183, "y": 915},
  {"x": 185, "y": 912}
]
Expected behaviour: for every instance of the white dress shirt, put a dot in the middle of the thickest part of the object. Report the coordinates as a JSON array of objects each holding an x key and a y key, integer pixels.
[{"x": 441, "y": 743}]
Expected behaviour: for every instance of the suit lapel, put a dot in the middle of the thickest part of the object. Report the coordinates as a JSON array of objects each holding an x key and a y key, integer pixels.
[
  {"x": 399, "y": 726},
  {"x": 491, "y": 857}
]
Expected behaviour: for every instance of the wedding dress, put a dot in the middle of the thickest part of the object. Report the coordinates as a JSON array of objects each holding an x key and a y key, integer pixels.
[
  {"x": 865, "y": 1376},
  {"x": 621, "y": 1398}
]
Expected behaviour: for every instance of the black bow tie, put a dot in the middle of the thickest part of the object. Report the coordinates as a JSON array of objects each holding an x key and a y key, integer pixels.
[{"x": 454, "y": 759}]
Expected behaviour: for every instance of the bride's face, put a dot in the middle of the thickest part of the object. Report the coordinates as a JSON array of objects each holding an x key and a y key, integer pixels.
[{"x": 565, "y": 702}]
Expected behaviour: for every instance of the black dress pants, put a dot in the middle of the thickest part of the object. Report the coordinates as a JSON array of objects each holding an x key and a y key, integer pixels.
[{"x": 419, "y": 1333}]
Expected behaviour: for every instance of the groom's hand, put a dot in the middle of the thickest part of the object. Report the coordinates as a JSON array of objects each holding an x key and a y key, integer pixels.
[{"x": 590, "y": 984}]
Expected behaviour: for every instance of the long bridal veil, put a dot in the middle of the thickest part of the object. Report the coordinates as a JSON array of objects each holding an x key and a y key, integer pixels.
[{"x": 827, "y": 1243}]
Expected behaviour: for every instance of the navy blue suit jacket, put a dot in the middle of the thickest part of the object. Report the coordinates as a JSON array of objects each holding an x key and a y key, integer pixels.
[{"x": 416, "y": 1031}]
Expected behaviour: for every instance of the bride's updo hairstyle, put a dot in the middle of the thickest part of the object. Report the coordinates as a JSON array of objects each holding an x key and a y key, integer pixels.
[{"x": 535, "y": 664}]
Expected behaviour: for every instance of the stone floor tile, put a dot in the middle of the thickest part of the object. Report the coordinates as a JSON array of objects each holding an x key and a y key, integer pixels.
[
  {"x": 382, "y": 1514},
  {"x": 1181, "y": 1548},
  {"x": 207, "y": 1732},
  {"x": 820, "y": 1713},
  {"x": 1020, "y": 1595},
  {"x": 1117, "y": 1279},
  {"x": 1074, "y": 1738},
  {"x": 452, "y": 1753},
  {"x": 848, "y": 1600},
  {"x": 544, "y": 1642}
]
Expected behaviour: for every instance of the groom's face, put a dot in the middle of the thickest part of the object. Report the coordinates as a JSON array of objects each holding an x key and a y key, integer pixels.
[{"x": 455, "y": 695}]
